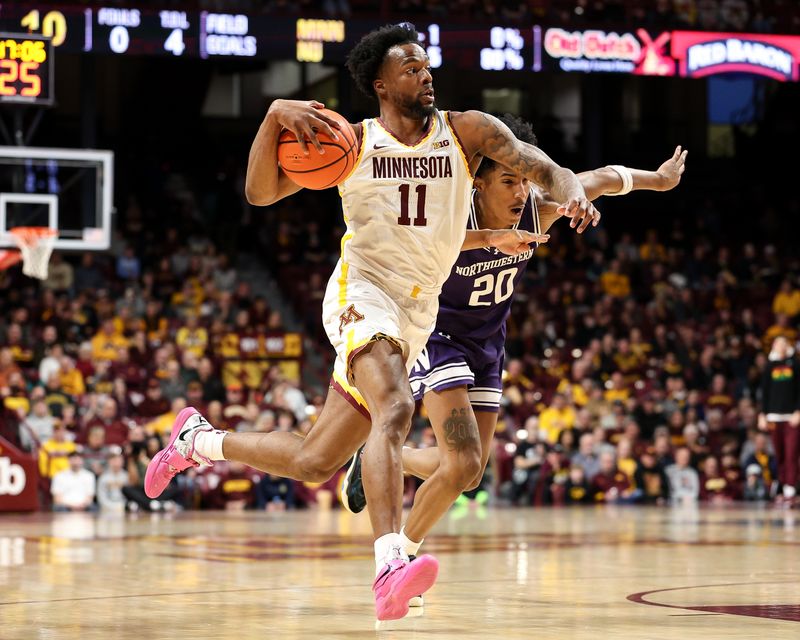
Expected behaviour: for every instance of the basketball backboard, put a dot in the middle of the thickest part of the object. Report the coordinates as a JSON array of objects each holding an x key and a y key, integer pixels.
[{"x": 70, "y": 190}]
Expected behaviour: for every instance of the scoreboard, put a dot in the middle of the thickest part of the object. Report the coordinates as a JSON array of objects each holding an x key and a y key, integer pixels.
[
  {"x": 205, "y": 34},
  {"x": 26, "y": 69},
  {"x": 143, "y": 30}
]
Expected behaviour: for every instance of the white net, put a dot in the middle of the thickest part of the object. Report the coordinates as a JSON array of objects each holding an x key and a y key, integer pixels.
[{"x": 36, "y": 245}]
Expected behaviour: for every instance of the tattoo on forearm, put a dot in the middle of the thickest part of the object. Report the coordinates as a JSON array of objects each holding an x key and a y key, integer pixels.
[
  {"x": 524, "y": 159},
  {"x": 461, "y": 430},
  {"x": 566, "y": 184},
  {"x": 500, "y": 145}
]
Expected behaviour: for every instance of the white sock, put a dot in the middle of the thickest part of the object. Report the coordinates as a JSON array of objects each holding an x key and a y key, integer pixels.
[
  {"x": 411, "y": 547},
  {"x": 387, "y": 548},
  {"x": 209, "y": 444}
]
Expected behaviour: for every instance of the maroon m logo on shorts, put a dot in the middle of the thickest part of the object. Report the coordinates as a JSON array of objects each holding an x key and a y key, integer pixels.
[{"x": 350, "y": 315}]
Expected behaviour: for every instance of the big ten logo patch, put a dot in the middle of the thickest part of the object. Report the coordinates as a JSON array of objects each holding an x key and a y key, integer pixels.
[
  {"x": 12, "y": 478},
  {"x": 440, "y": 144},
  {"x": 349, "y": 316}
]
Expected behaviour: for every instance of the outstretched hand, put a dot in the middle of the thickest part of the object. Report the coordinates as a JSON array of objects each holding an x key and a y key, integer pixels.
[
  {"x": 672, "y": 170},
  {"x": 582, "y": 212},
  {"x": 304, "y": 119},
  {"x": 513, "y": 242}
]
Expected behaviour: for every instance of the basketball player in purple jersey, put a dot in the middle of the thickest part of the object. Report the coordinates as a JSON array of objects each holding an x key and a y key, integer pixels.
[
  {"x": 406, "y": 203},
  {"x": 458, "y": 374}
]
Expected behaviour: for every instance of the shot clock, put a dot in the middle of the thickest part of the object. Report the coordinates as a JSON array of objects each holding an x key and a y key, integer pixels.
[{"x": 26, "y": 69}]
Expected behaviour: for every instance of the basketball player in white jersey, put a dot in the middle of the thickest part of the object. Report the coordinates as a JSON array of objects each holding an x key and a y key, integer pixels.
[
  {"x": 406, "y": 204},
  {"x": 459, "y": 374}
]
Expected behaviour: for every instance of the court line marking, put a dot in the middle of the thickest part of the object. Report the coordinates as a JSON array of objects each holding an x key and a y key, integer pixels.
[{"x": 360, "y": 585}]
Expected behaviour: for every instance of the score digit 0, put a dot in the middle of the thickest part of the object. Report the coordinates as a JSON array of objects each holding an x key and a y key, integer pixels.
[{"x": 118, "y": 39}]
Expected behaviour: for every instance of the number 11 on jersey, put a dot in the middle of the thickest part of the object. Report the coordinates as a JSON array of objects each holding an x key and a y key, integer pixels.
[{"x": 419, "y": 220}]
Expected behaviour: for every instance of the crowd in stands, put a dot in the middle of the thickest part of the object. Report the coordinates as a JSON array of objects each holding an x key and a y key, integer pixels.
[
  {"x": 636, "y": 370},
  {"x": 637, "y": 360},
  {"x": 97, "y": 360},
  {"x": 761, "y": 16},
  {"x": 631, "y": 350},
  {"x": 640, "y": 372}
]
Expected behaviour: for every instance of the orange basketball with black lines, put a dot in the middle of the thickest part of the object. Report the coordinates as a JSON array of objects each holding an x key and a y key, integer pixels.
[{"x": 319, "y": 171}]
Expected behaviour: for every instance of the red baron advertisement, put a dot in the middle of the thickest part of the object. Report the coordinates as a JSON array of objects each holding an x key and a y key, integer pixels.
[
  {"x": 593, "y": 50},
  {"x": 704, "y": 53}
]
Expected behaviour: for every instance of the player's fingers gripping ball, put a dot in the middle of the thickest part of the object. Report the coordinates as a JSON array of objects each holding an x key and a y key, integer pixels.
[{"x": 315, "y": 170}]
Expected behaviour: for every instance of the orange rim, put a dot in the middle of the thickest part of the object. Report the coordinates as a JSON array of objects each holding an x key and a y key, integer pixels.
[{"x": 31, "y": 235}]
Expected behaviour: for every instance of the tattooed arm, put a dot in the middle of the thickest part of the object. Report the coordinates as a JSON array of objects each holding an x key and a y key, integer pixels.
[{"x": 484, "y": 135}]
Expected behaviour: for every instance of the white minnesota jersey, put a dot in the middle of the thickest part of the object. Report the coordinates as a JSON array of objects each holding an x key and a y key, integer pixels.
[{"x": 406, "y": 207}]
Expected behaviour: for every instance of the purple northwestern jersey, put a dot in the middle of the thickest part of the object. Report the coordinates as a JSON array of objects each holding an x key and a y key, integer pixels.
[{"x": 467, "y": 345}]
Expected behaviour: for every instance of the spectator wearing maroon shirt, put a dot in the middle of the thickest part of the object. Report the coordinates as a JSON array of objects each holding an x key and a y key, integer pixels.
[
  {"x": 116, "y": 431},
  {"x": 531, "y": 400},
  {"x": 71, "y": 420},
  {"x": 215, "y": 413},
  {"x": 138, "y": 350},
  {"x": 631, "y": 432},
  {"x": 123, "y": 398},
  {"x": 154, "y": 403},
  {"x": 719, "y": 397},
  {"x": 85, "y": 362},
  {"x": 733, "y": 474},
  {"x": 235, "y": 409},
  {"x": 714, "y": 486},
  {"x": 780, "y": 414},
  {"x": 610, "y": 484},
  {"x": 717, "y": 436},
  {"x": 129, "y": 371},
  {"x": 236, "y": 488},
  {"x": 194, "y": 396}
]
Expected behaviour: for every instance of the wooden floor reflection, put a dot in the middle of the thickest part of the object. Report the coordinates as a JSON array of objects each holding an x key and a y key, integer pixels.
[{"x": 596, "y": 572}]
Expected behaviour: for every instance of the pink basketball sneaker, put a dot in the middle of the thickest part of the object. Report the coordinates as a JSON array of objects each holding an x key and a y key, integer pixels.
[
  {"x": 179, "y": 454},
  {"x": 399, "y": 582}
]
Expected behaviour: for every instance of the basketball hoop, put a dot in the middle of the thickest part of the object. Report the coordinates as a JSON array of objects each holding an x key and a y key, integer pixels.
[
  {"x": 35, "y": 245},
  {"x": 8, "y": 258}
]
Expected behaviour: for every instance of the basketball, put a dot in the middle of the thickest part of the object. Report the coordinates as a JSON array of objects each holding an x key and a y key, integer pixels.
[{"x": 316, "y": 171}]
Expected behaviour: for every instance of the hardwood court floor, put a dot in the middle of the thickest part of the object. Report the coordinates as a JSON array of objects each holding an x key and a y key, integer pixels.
[{"x": 595, "y": 572}]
